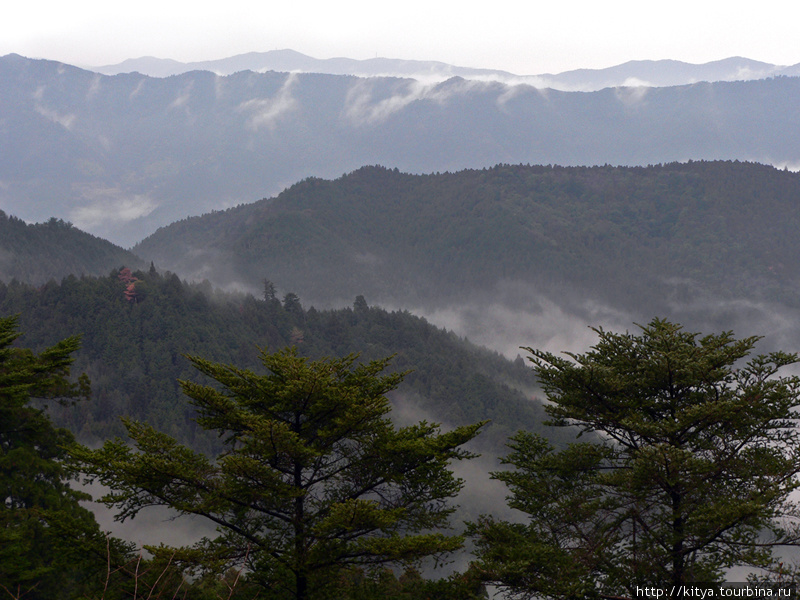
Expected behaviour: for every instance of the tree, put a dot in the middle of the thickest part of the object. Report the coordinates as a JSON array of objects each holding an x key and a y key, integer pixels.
[
  {"x": 384, "y": 584},
  {"x": 314, "y": 478},
  {"x": 50, "y": 546},
  {"x": 291, "y": 303},
  {"x": 269, "y": 291},
  {"x": 689, "y": 472},
  {"x": 360, "y": 305}
]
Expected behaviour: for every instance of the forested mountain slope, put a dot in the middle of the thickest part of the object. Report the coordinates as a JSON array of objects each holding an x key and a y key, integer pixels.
[
  {"x": 634, "y": 237},
  {"x": 137, "y": 327},
  {"x": 37, "y": 252}
]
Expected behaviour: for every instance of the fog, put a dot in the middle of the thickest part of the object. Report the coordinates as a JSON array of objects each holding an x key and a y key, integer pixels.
[
  {"x": 151, "y": 527},
  {"x": 110, "y": 206},
  {"x": 517, "y": 315},
  {"x": 266, "y": 112},
  {"x": 512, "y": 315},
  {"x": 544, "y": 325}
]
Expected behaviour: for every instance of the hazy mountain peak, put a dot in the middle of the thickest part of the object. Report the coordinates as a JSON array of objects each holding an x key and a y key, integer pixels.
[
  {"x": 652, "y": 73},
  {"x": 120, "y": 156},
  {"x": 148, "y": 65},
  {"x": 663, "y": 73},
  {"x": 287, "y": 60}
]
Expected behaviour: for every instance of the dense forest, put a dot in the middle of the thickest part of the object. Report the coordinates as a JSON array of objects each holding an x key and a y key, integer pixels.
[
  {"x": 315, "y": 491},
  {"x": 36, "y": 253},
  {"x": 630, "y": 236},
  {"x": 137, "y": 327},
  {"x": 643, "y": 239},
  {"x": 310, "y": 435}
]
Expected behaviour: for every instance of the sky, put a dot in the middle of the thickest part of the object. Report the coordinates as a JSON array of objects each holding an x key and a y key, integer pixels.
[{"x": 523, "y": 38}]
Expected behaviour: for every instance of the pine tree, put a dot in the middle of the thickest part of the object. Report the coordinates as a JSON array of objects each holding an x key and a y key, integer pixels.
[
  {"x": 50, "y": 546},
  {"x": 315, "y": 478},
  {"x": 690, "y": 472}
]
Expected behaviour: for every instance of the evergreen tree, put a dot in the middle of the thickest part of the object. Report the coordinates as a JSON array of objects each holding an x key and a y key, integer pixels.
[
  {"x": 50, "y": 546},
  {"x": 314, "y": 478},
  {"x": 690, "y": 474},
  {"x": 270, "y": 291}
]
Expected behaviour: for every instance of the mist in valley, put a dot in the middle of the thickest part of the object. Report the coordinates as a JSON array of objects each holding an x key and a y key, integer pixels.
[{"x": 271, "y": 130}]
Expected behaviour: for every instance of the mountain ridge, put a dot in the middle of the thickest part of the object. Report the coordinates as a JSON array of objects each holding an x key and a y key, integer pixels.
[
  {"x": 120, "y": 156},
  {"x": 652, "y": 73},
  {"x": 416, "y": 239},
  {"x": 290, "y": 60},
  {"x": 36, "y": 253}
]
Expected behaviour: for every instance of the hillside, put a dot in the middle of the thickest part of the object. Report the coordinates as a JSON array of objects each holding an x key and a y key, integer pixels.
[
  {"x": 120, "y": 156},
  {"x": 36, "y": 253},
  {"x": 643, "y": 239},
  {"x": 137, "y": 327}
]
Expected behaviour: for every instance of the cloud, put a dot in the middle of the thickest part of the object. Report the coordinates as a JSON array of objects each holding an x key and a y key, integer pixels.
[
  {"x": 635, "y": 82},
  {"x": 137, "y": 89},
  {"x": 631, "y": 95},
  {"x": 778, "y": 324},
  {"x": 219, "y": 87},
  {"x": 518, "y": 316},
  {"x": 66, "y": 121},
  {"x": 746, "y": 73},
  {"x": 265, "y": 112},
  {"x": 790, "y": 165},
  {"x": 512, "y": 91},
  {"x": 111, "y": 206},
  {"x": 184, "y": 96},
  {"x": 152, "y": 526},
  {"x": 94, "y": 87},
  {"x": 362, "y": 108}
]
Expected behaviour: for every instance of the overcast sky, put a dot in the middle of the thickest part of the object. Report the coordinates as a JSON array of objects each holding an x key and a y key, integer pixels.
[{"x": 525, "y": 38}]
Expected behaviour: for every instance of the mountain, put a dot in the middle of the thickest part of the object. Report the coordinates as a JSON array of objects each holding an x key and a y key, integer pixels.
[
  {"x": 136, "y": 328},
  {"x": 664, "y": 73},
  {"x": 654, "y": 73},
  {"x": 709, "y": 243},
  {"x": 121, "y": 156},
  {"x": 35, "y": 253},
  {"x": 291, "y": 61}
]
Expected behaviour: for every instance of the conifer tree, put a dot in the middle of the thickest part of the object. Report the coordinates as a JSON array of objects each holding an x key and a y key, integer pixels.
[
  {"x": 50, "y": 545},
  {"x": 314, "y": 478},
  {"x": 689, "y": 472}
]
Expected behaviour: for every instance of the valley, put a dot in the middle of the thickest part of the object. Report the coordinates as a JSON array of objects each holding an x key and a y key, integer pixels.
[{"x": 221, "y": 210}]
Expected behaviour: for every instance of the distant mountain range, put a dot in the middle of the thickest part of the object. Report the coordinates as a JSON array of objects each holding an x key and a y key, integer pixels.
[
  {"x": 640, "y": 239},
  {"x": 120, "y": 156},
  {"x": 288, "y": 61},
  {"x": 654, "y": 73}
]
